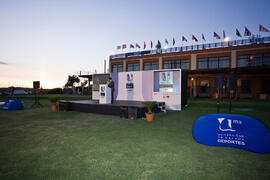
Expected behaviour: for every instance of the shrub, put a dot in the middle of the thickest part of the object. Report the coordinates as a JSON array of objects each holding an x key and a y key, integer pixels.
[
  {"x": 53, "y": 98},
  {"x": 150, "y": 105},
  {"x": 55, "y": 91}
]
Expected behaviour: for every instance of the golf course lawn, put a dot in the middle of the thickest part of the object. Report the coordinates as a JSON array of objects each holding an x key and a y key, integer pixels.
[{"x": 41, "y": 144}]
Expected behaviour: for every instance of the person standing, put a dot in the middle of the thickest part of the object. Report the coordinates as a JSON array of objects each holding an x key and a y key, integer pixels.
[{"x": 111, "y": 85}]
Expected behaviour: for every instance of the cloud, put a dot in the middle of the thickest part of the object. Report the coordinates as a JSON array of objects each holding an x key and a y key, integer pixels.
[{"x": 3, "y": 63}]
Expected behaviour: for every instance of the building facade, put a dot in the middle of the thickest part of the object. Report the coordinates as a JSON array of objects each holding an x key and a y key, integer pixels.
[{"x": 248, "y": 60}]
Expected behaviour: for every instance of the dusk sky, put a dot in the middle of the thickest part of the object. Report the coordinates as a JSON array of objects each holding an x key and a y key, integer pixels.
[{"x": 48, "y": 40}]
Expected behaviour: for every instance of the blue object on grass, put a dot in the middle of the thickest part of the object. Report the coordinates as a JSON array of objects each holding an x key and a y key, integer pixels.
[
  {"x": 12, "y": 104},
  {"x": 232, "y": 130}
]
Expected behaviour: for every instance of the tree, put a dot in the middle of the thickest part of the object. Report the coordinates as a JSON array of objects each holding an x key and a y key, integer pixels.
[{"x": 71, "y": 80}]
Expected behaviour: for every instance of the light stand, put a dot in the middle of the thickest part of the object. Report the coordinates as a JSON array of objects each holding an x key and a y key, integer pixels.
[
  {"x": 36, "y": 86},
  {"x": 36, "y": 104}
]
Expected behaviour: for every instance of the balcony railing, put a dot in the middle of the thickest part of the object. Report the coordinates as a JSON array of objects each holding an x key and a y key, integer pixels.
[{"x": 253, "y": 40}]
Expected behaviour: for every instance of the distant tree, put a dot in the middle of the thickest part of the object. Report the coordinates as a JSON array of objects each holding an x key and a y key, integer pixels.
[{"x": 71, "y": 80}]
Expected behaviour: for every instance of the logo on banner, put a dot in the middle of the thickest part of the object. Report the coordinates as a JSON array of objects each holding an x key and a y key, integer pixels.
[
  {"x": 129, "y": 82},
  {"x": 229, "y": 125},
  {"x": 226, "y": 126},
  {"x": 102, "y": 90}
]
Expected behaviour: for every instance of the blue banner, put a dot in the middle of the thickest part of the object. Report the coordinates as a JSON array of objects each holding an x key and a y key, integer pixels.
[
  {"x": 232, "y": 130},
  {"x": 12, "y": 104}
]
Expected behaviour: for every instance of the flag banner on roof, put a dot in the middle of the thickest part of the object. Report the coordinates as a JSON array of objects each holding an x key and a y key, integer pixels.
[
  {"x": 166, "y": 41},
  {"x": 184, "y": 39},
  {"x": 224, "y": 35},
  {"x": 194, "y": 38},
  {"x": 203, "y": 38},
  {"x": 138, "y": 46},
  {"x": 131, "y": 46},
  {"x": 118, "y": 47},
  {"x": 216, "y": 35},
  {"x": 158, "y": 46},
  {"x": 238, "y": 33},
  {"x": 144, "y": 45},
  {"x": 151, "y": 44},
  {"x": 262, "y": 29},
  {"x": 173, "y": 42},
  {"x": 124, "y": 46},
  {"x": 247, "y": 32}
]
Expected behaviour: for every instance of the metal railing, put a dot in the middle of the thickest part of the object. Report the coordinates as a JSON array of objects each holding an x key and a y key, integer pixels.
[{"x": 252, "y": 40}]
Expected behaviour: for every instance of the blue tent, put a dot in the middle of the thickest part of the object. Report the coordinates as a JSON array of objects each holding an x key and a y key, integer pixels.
[{"x": 12, "y": 104}]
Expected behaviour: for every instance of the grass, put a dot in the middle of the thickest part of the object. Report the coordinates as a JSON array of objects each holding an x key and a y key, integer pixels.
[{"x": 40, "y": 144}]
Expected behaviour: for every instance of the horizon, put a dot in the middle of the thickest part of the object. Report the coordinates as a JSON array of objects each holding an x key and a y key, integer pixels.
[{"x": 48, "y": 40}]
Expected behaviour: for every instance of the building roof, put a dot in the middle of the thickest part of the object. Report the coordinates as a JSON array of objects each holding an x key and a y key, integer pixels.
[{"x": 236, "y": 44}]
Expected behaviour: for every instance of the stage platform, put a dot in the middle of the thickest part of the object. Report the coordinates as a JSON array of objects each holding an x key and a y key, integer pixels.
[{"x": 126, "y": 109}]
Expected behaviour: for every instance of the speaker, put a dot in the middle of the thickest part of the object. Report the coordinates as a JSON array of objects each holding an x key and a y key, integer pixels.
[
  {"x": 36, "y": 84},
  {"x": 132, "y": 112},
  {"x": 231, "y": 83},
  {"x": 218, "y": 83}
]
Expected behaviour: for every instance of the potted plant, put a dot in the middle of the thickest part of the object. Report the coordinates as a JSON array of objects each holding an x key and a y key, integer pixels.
[
  {"x": 149, "y": 105},
  {"x": 54, "y": 99}
]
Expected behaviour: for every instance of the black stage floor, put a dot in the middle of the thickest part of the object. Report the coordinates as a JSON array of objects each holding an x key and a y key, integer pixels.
[{"x": 126, "y": 109}]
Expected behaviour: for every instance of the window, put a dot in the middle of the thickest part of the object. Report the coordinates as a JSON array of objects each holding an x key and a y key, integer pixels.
[
  {"x": 133, "y": 67},
  {"x": 204, "y": 87},
  {"x": 176, "y": 64},
  {"x": 117, "y": 68},
  {"x": 203, "y": 63},
  {"x": 150, "y": 66},
  {"x": 243, "y": 61},
  {"x": 266, "y": 59},
  {"x": 245, "y": 86},
  {"x": 266, "y": 86},
  {"x": 214, "y": 63},
  {"x": 224, "y": 62},
  {"x": 254, "y": 60}
]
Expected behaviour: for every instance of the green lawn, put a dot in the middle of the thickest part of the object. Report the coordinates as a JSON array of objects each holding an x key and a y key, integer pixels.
[{"x": 40, "y": 144}]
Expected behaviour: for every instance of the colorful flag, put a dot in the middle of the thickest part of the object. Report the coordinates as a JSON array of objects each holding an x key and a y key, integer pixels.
[
  {"x": 131, "y": 46},
  {"x": 184, "y": 39},
  {"x": 124, "y": 46},
  {"x": 194, "y": 38},
  {"x": 203, "y": 37},
  {"x": 238, "y": 33},
  {"x": 247, "y": 32},
  {"x": 224, "y": 35},
  {"x": 144, "y": 45},
  {"x": 173, "y": 42},
  {"x": 263, "y": 29},
  {"x": 118, "y": 47},
  {"x": 138, "y": 46},
  {"x": 216, "y": 35},
  {"x": 166, "y": 41},
  {"x": 158, "y": 46},
  {"x": 151, "y": 44}
]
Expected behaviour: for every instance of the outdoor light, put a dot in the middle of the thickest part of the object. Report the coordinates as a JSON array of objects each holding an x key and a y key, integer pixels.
[
  {"x": 226, "y": 39},
  {"x": 192, "y": 79},
  {"x": 251, "y": 57},
  {"x": 165, "y": 47}
]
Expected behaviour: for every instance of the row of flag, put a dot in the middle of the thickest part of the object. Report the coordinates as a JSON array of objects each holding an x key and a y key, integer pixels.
[{"x": 247, "y": 32}]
